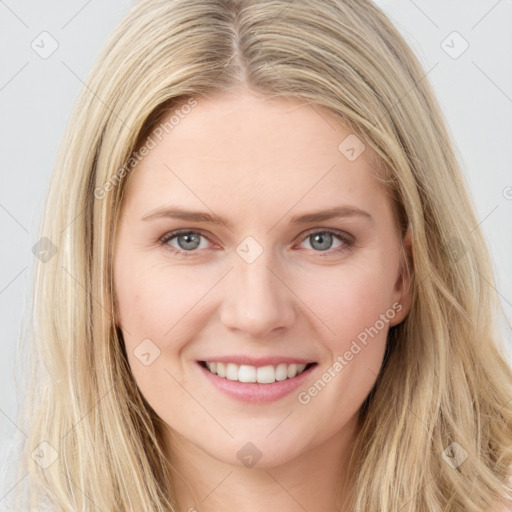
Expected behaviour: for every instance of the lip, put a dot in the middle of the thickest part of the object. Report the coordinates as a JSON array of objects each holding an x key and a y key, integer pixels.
[
  {"x": 257, "y": 361},
  {"x": 255, "y": 392}
]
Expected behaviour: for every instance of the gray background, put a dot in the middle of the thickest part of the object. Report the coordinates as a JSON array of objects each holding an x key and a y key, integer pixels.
[{"x": 37, "y": 94}]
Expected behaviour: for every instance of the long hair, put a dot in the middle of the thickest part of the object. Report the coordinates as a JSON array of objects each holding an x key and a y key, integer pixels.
[{"x": 436, "y": 429}]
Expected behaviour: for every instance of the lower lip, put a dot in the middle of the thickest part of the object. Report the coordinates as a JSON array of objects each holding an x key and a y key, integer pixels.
[{"x": 255, "y": 392}]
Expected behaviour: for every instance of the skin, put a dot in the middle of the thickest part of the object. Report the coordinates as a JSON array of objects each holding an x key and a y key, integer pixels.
[{"x": 257, "y": 163}]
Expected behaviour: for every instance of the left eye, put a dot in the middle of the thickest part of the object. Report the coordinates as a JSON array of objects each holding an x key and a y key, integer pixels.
[{"x": 321, "y": 241}]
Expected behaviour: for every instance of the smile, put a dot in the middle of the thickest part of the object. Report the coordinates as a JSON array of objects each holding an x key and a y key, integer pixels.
[{"x": 265, "y": 380}]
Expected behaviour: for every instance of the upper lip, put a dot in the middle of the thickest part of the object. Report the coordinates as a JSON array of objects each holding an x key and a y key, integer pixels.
[{"x": 257, "y": 361}]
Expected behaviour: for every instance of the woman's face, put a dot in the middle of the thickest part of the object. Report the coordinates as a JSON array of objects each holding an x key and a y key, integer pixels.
[{"x": 302, "y": 274}]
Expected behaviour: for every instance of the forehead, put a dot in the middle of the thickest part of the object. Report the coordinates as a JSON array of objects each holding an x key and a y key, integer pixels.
[{"x": 257, "y": 153}]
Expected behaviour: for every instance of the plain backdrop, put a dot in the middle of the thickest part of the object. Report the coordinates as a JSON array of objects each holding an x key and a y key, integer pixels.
[{"x": 465, "y": 47}]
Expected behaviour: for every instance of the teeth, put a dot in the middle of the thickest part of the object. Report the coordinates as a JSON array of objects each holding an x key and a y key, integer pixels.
[
  {"x": 282, "y": 371},
  {"x": 221, "y": 369},
  {"x": 231, "y": 371},
  {"x": 266, "y": 375},
  {"x": 292, "y": 370},
  {"x": 246, "y": 373},
  {"x": 262, "y": 375}
]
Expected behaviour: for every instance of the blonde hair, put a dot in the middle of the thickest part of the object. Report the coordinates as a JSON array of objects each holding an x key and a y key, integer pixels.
[{"x": 445, "y": 378}]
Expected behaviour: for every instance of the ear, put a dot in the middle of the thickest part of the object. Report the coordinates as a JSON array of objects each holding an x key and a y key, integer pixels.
[{"x": 403, "y": 290}]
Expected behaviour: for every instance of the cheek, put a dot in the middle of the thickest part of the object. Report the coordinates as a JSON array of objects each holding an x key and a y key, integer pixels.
[
  {"x": 349, "y": 299},
  {"x": 161, "y": 310},
  {"x": 154, "y": 301},
  {"x": 356, "y": 304},
  {"x": 154, "y": 314}
]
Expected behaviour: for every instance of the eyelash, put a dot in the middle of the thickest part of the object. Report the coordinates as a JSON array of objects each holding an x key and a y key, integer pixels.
[{"x": 347, "y": 240}]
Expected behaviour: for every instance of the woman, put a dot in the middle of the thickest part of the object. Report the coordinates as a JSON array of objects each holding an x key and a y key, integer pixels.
[{"x": 270, "y": 289}]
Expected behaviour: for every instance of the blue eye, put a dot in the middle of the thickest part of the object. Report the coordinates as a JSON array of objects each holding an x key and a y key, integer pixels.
[
  {"x": 321, "y": 241},
  {"x": 187, "y": 241}
]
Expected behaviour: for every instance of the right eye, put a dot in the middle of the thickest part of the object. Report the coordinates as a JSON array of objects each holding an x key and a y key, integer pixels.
[{"x": 187, "y": 241}]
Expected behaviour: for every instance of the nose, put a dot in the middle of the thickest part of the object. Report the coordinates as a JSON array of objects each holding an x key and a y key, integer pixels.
[{"x": 258, "y": 299}]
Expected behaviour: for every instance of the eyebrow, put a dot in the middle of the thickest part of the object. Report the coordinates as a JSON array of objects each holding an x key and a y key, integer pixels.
[{"x": 211, "y": 218}]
